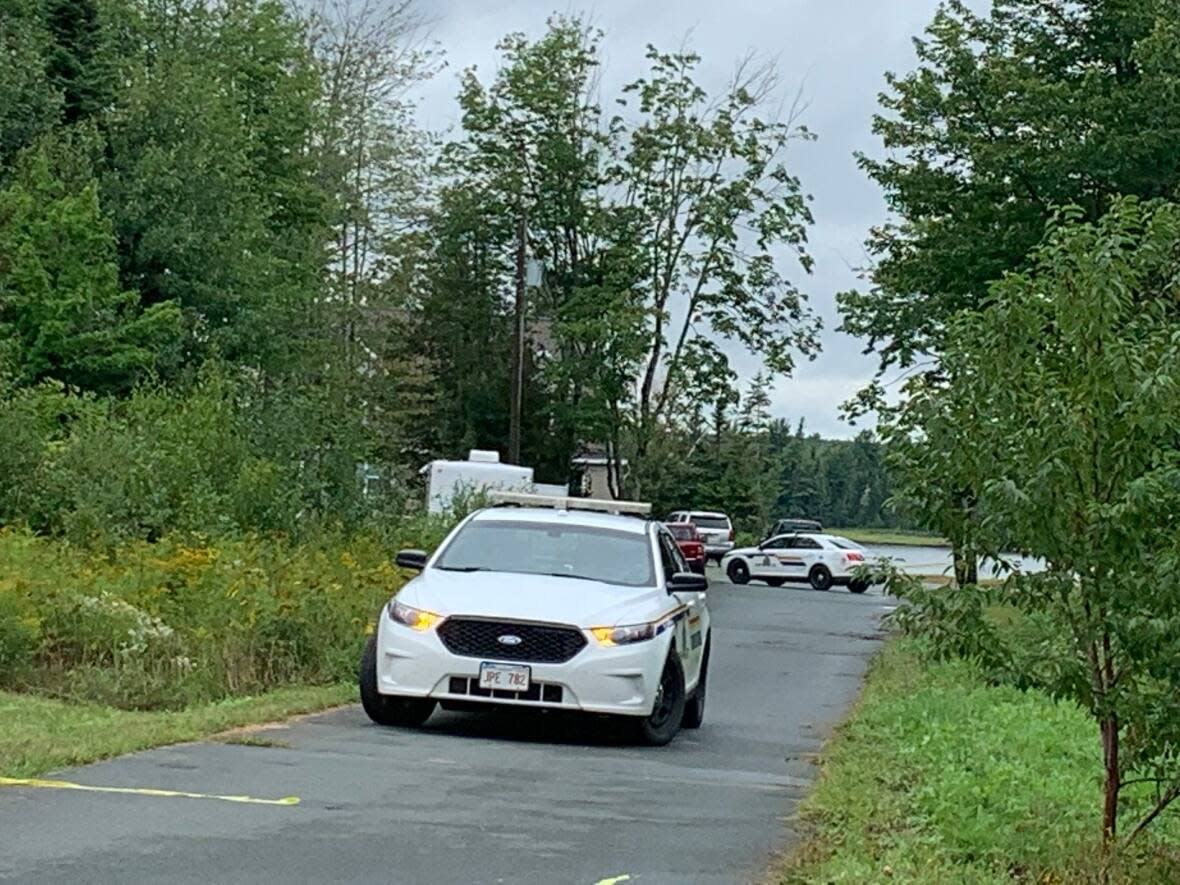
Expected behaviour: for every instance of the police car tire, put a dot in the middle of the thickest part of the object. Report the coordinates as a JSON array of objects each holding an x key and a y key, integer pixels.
[
  {"x": 388, "y": 709},
  {"x": 663, "y": 724},
  {"x": 820, "y": 577},
  {"x": 694, "y": 708},
  {"x": 738, "y": 572}
]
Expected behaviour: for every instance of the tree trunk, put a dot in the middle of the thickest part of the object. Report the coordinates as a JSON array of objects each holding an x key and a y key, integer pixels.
[
  {"x": 518, "y": 323},
  {"x": 1110, "y": 805},
  {"x": 966, "y": 565}
]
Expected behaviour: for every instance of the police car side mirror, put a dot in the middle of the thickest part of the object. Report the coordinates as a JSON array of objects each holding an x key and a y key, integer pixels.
[
  {"x": 414, "y": 559},
  {"x": 687, "y": 582}
]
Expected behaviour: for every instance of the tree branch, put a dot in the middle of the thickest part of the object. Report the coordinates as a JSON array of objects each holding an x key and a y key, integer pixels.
[{"x": 1170, "y": 796}]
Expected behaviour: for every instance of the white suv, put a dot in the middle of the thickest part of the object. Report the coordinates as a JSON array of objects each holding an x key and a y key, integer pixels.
[
  {"x": 715, "y": 529},
  {"x": 547, "y": 607}
]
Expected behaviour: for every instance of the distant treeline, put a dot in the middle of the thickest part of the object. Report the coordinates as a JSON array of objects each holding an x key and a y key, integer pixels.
[{"x": 757, "y": 470}]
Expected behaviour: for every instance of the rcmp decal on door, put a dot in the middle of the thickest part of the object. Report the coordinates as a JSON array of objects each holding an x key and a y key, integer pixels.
[{"x": 769, "y": 560}]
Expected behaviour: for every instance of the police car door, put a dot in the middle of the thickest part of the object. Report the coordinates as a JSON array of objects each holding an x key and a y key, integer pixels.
[
  {"x": 768, "y": 562},
  {"x": 689, "y": 626}
]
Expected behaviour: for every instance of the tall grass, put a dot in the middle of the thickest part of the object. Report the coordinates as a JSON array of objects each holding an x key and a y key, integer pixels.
[
  {"x": 186, "y": 620},
  {"x": 940, "y": 777}
]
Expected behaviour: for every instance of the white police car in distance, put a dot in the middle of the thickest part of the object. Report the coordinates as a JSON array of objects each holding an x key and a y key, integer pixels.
[
  {"x": 816, "y": 559},
  {"x": 545, "y": 603}
]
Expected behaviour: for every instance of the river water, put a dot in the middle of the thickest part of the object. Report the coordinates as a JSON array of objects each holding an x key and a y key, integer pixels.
[{"x": 938, "y": 560}]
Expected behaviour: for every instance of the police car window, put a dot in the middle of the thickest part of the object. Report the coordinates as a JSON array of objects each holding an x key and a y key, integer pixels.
[
  {"x": 808, "y": 544},
  {"x": 777, "y": 544},
  {"x": 668, "y": 554},
  {"x": 542, "y": 548}
]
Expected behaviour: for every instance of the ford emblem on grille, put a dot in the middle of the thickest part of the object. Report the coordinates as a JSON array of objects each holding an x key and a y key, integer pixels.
[{"x": 509, "y": 639}]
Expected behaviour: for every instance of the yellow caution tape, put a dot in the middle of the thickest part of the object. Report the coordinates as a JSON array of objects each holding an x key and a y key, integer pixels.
[{"x": 40, "y": 783}]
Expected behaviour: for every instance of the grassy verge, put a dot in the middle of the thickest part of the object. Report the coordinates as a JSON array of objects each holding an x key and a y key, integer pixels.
[
  {"x": 38, "y": 734},
  {"x": 939, "y": 777},
  {"x": 901, "y": 537}
]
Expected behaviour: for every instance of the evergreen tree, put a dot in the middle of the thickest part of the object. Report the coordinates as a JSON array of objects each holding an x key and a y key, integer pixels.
[
  {"x": 76, "y": 64},
  {"x": 63, "y": 313},
  {"x": 29, "y": 105}
]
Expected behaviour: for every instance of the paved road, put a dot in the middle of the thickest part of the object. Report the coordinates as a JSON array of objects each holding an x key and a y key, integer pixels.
[{"x": 481, "y": 799}]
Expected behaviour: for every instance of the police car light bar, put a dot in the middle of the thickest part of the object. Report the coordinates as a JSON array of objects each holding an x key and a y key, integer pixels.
[{"x": 524, "y": 499}]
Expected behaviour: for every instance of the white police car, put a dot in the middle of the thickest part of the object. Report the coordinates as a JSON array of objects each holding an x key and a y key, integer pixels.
[
  {"x": 816, "y": 559},
  {"x": 546, "y": 603}
]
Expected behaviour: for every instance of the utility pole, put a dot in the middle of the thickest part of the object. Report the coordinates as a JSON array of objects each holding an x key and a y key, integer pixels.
[{"x": 517, "y": 346}]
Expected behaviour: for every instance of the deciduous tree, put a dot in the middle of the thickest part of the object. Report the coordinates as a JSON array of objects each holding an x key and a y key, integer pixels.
[
  {"x": 1009, "y": 114},
  {"x": 714, "y": 208},
  {"x": 1070, "y": 376}
]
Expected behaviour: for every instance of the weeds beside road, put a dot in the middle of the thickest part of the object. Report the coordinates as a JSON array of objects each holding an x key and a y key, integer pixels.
[
  {"x": 940, "y": 777},
  {"x": 105, "y": 652},
  {"x": 180, "y": 622},
  {"x": 41, "y": 734}
]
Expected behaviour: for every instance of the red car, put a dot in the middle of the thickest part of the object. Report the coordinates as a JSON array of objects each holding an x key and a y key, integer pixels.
[{"x": 689, "y": 540}]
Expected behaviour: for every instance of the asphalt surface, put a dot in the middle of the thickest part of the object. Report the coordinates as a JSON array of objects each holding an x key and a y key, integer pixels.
[{"x": 481, "y": 798}]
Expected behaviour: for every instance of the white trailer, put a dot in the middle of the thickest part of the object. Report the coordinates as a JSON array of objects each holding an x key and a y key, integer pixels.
[{"x": 481, "y": 472}]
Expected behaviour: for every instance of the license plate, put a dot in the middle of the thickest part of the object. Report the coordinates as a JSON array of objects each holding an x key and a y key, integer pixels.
[{"x": 505, "y": 677}]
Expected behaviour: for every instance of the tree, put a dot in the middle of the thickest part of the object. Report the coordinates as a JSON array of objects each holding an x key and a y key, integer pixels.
[
  {"x": 678, "y": 210},
  {"x": 712, "y": 204},
  {"x": 211, "y": 181},
  {"x": 79, "y": 64},
  {"x": 1071, "y": 376},
  {"x": 371, "y": 159},
  {"x": 1034, "y": 105},
  {"x": 29, "y": 106},
  {"x": 62, "y": 309},
  {"x": 532, "y": 157},
  {"x": 459, "y": 323}
]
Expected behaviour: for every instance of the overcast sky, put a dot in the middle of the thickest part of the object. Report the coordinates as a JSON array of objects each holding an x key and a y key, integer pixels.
[{"x": 836, "y": 51}]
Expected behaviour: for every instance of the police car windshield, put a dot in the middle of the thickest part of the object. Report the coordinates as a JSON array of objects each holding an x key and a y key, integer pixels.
[{"x": 536, "y": 548}]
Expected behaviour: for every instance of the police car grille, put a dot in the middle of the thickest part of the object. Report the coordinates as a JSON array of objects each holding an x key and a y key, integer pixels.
[{"x": 539, "y": 643}]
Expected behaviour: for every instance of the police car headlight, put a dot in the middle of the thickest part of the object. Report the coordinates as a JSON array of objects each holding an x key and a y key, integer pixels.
[
  {"x": 633, "y": 633},
  {"x": 414, "y": 618}
]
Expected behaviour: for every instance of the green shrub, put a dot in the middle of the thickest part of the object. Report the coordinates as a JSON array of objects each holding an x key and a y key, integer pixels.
[
  {"x": 184, "y": 620},
  {"x": 226, "y": 455},
  {"x": 20, "y": 631}
]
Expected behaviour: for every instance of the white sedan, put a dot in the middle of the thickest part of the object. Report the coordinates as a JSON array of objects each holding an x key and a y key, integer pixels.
[
  {"x": 816, "y": 559},
  {"x": 546, "y": 607}
]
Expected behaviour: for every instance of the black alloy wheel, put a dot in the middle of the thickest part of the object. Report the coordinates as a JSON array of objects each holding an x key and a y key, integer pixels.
[
  {"x": 820, "y": 577},
  {"x": 663, "y": 724},
  {"x": 738, "y": 572}
]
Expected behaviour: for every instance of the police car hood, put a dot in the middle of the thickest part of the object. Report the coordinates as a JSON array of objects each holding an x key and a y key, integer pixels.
[{"x": 512, "y": 596}]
